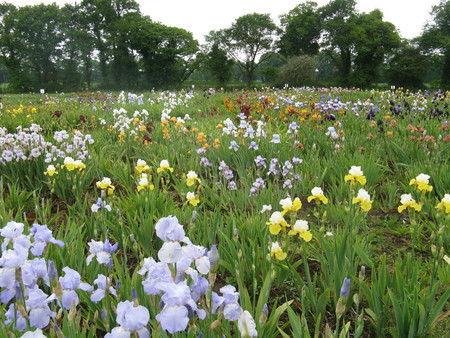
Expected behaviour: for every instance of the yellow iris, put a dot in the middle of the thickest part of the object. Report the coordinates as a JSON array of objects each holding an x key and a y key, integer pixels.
[
  {"x": 191, "y": 199},
  {"x": 421, "y": 183},
  {"x": 163, "y": 166},
  {"x": 276, "y": 223},
  {"x": 302, "y": 229},
  {"x": 317, "y": 194},
  {"x": 290, "y": 206},
  {"x": 276, "y": 250},
  {"x": 408, "y": 202},
  {"x": 364, "y": 198},
  {"x": 444, "y": 205},
  {"x": 355, "y": 175}
]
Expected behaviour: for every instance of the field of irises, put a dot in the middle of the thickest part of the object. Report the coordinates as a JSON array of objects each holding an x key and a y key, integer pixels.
[{"x": 204, "y": 213}]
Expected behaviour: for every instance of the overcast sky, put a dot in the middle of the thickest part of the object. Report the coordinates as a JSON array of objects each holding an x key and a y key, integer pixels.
[{"x": 202, "y": 16}]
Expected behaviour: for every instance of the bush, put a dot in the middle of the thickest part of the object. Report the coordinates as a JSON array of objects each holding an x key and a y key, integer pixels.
[{"x": 298, "y": 71}]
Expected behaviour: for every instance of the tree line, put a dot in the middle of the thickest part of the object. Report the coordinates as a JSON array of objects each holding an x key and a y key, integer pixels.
[{"x": 112, "y": 44}]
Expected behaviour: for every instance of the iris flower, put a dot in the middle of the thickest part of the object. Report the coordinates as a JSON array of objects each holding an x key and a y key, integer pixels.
[
  {"x": 42, "y": 236},
  {"x": 132, "y": 319},
  {"x": 144, "y": 183},
  {"x": 141, "y": 166},
  {"x": 277, "y": 222},
  {"x": 364, "y": 198},
  {"x": 302, "y": 229},
  {"x": 101, "y": 250},
  {"x": 421, "y": 183},
  {"x": 51, "y": 170},
  {"x": 355, "y": 175},
  {"x": 408, "y": 202},
  {"x": 37, "y": 303},
  {"x": 247, "y": 325},
  {"x": 163, "y": 166},
  {"x": 317, "y": 194},
  {"x": 276, "y": 250},
  {"x": 69, "y": 283},
  {"x": 288, "y": 205},
  {"x": 102, "y": 283},
  {"x": 275, "y": 138},
  {"x": 106, "y": 185},
  {"x": 178, "y": 307},
  {"x": 444, "y": 205},
  {"x": 71, "y": 165},
  {"x": 97, "y": 206},
  {"x": 234, "y": 146},
  {"x": 191, "y": 177}
]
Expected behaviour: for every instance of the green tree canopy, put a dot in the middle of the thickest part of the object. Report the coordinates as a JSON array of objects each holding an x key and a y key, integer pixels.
[
  {"x": 436, "y": 37},
  {"x": 248, "y": 38},
  {"x": 301, "y": 30}
]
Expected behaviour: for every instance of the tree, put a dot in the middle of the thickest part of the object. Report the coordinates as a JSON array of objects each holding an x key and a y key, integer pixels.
[
  {"x": 356, "y": 43},
  {"x": 30, "y": 40},
  {"x": 373, "y": 39},
  {"x": 436, "y": 38},
  {"x": 219, "y": 64},
  {"x": 11, "y": 49},
  {"x": 167, "y": 54},
  {"x": 302, "y": 27},
  {"x": 108, "y": 21},
  {"x": 269, "y": 67},
  {"x": 77, "y": 47},
  {"x": 407, "y": 68},
  {"x": 249, "y": 37},
  {"x": 298, "y": 71},
  {"x": 339, "y": 26}
]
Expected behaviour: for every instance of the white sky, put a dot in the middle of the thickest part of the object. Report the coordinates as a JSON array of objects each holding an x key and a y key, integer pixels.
[{"x": 202, "y": 16}]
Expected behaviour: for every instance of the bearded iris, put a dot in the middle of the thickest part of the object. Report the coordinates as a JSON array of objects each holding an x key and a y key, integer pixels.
[
  {"x": 317, "y": 194},
  {"x": 421, "y": 183},
  {"x": 132, "y": 319},
  {"x": 364, "y": 198},
  {"x": 277, "y": 222},
  {"x": 302, "y": 229},
  {"x": 444, "y": 205},
  {"x": 355, "y": 175},
  {"x": 106, "y": 185},
  {"x": 191, "y": 177},
  {"x": 276, "y": 250},
  {"x": 192, "y": 199},
  {"x": 141, "y": 166},
  {"x": 144, "y": 184},
  {"x": 408, "y": 201},
  {"x": 51, "y": 170},
  {"x": 290, "y": 206},
  {"x": 164, "y": 166}
]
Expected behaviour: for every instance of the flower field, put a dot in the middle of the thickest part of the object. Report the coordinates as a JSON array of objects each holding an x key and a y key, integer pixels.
[{"x": 203, "y": 213}]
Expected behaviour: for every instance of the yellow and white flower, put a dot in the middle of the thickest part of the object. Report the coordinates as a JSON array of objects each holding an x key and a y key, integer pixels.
[
  {"x": 444, "y": 205},
  {"x": 106, "y": 185},
  {"x": 364, "y": 198},
  {"x": 191, "y": 177},
  {"x": 408, "y": 201},
  {"x": 288, "y": 205},
  {"x": 301, "y": 228},
  {"x": 277, "y": 222},
  {"x": 317, "y": 194},
  {"x": 144, "y": 183},
  {"x": 355, "y": 174},
  {"x": 192, "y": 199},
  {"x": 163, "y": 166},
  {"x": 142, "y": 167},
  {"x": 51, "y": 170},
  {"x": 421, "y": 183},
  {"x": 276, "y": 250}
]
